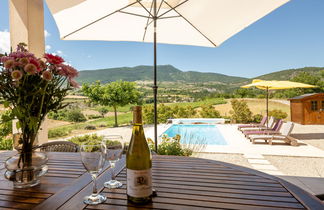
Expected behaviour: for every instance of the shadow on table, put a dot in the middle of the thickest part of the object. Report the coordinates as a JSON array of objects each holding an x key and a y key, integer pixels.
[{"x": 313, "y": 185}]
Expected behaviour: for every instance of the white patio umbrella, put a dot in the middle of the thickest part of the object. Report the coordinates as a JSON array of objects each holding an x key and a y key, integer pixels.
[{"x": 184, "y": 22}]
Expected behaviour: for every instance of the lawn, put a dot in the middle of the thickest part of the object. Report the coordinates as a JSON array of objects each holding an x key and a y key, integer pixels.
[{"x": 67, "y": 130}]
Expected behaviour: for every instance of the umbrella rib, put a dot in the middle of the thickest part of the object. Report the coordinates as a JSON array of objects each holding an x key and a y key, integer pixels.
[
  {"x": 149, "y": 12},
  {"x": 129, "y": 13},
  {"x": 147, "y": 22},
  {"x": 159, "y": 7},
  {"x": 174, "y": 8},
  {"x": 89, "y": 24},
  {"x": 171, "y": 8},
  {"x": 175, "y": 16}
]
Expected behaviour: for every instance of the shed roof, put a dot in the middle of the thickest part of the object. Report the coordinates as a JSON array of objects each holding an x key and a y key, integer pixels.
[{"x": 305, "y": 96}]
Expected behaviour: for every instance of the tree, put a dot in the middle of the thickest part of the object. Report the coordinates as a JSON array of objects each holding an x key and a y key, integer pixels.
[
  {"x": 241, "y": 112},
  {"x": 103, "y": 110},
  {"x": 208, "y": 111},
  {"x": 184, "y": 112},
  {"x": 114, "y": 94}
]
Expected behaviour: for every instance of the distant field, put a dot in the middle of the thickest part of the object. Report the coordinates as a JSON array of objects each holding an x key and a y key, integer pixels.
[{"x": 257, "y": 106}]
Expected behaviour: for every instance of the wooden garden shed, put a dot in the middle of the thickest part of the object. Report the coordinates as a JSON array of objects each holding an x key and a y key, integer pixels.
[{"x": 307, "y": 109}]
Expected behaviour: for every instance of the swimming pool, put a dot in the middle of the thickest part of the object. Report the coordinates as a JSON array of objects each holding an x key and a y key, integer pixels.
[{"x": 197, "y": 134}]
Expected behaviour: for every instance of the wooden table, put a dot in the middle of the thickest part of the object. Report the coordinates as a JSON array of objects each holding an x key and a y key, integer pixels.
[{"x": 181, "y": 183}]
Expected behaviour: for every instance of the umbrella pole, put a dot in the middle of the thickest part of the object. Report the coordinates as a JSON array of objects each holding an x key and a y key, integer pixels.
[
  {"x": 155, "y": 87},
  {"x": 267, "y": 107}
]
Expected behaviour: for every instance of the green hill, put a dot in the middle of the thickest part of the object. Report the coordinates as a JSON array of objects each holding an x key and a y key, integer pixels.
[
  {"x": 288, "y": 74},
  {"x": 166, "y": 73}
]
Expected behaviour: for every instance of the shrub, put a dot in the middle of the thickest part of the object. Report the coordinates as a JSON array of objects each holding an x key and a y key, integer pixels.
[
  {"x": 58, "y": 132},
  {"x": 93, "y": 116},
  {"x": 208, "y": 111},
  {"x": 165, "y": 113},
  {"x": 71, "y": 115},
  {"x": 6, "y": 143},
  {"x": 6, "y": 131},
  {"x": 277, "y": 113},
  {"x": 241, "y": 112},
  {"x": 148, "y": 114},
  {"x": 90, "y": 127},
  {"x": 58, "y": 115},
  {"x": 103, "y": 110},
  {"x": 76, "y": 116},
  {"x": 184, "y": 112},
  {"x": 170, "y": 146},
  {"x": 91, "y": 139},
  {"x": 257, "y": 118},
  {"x": 87, "y": 139}
]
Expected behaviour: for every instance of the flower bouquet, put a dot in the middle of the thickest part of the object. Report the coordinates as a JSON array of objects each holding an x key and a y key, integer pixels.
[{"x": 31, "y": 87}]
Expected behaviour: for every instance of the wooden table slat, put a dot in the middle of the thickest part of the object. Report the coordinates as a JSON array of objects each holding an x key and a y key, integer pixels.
[
  {"x": 285, "y": 197},
  {"x": 206, "y": 181},
  {"x": 206, "y": 201}
]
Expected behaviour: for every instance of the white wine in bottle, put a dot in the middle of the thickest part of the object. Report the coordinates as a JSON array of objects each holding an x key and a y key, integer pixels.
[{"x": 138, "y": 163}]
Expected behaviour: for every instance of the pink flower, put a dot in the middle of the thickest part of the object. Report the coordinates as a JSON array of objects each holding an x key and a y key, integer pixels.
[
  {"x": 73, "y": 83},
  {"x": 9, "y": 64},
  {"x": 47, "y": 75},
  {"x": 16, "y": 75},
  {"x": 36, "y": 63},
  {"x": 30, "y": 69},
  {"x": 23, "y": 61},
  {"x": 53, "y": 59},
  {"x": 42, "y": 64},
  {"x": 67, "y": 71},
  {"x": 19, "y": 54}
]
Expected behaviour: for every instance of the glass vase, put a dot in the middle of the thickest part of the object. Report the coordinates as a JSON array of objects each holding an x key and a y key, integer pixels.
[{"x": 26, "y": 168}]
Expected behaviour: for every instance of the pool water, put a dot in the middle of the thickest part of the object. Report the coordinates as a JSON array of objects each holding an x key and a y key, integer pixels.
[{"x": 197, "y": 134}]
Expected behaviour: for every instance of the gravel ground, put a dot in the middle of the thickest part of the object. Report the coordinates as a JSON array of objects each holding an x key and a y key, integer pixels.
[
  {"x": 310, "y": 134},
  {"x": 237, "y": 159},
  {"x": 316, "y": 143},
  {"x": 298, "y": 166}
]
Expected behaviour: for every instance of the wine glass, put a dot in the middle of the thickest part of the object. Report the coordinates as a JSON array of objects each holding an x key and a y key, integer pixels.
[
  {"x": 114, "y": 150},
  {"x": 93, "y": 159}
]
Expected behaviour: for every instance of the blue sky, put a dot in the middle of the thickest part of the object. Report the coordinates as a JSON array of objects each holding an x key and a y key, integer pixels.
[{"x": 290, "y": 37}]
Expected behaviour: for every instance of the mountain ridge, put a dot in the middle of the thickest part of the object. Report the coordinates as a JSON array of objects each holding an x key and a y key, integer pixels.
[{"x": 168, "y": 73}]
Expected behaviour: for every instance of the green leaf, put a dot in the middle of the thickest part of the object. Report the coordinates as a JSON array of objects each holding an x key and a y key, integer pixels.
[
  {"x": 6, "y": 104},
  {"x": 18, "y": 126}
]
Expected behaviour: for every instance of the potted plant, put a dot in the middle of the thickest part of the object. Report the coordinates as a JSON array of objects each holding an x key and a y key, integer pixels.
[{"x": 31, "y": 87}]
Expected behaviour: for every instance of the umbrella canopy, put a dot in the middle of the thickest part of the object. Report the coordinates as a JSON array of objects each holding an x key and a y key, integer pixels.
[
  {"x": 275, "y": 85},
  {"x": 185, "y": 22}
]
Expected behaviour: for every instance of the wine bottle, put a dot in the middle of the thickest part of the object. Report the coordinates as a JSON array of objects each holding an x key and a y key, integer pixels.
[{"x": 138, "y": 163}]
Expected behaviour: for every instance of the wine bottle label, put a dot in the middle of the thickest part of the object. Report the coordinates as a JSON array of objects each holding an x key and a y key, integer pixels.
[{"x": 139, "y": 183}]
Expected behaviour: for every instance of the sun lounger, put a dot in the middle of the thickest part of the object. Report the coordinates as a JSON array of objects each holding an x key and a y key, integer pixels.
[
  {"x": 271, "y": 123},
  {"x": 274, "y": 130},
  {"x": 284, "y": 136},
  {"x": 253, "y": 125}
]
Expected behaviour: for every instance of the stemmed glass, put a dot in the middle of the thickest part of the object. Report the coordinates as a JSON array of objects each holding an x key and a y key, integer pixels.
[
  {"x": 93, "y": 159},
  {"x": 114, "y": 150}
]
